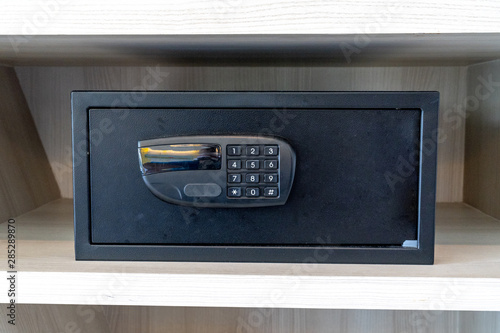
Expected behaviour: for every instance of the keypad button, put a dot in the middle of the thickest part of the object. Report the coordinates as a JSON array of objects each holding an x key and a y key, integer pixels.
[
  {"x": 234, "y": 192},
  {"x": 234, "y": 178},
  {"x": 271, "y": 178},
  {"x": 271, "y": 192},
  {"x": 252, "y": 192},
  {"x": 252, "y": 164},
  {"x": 271, "y": 164},
  {"x": 234, "y": 164},
  {"x": 252, "y": 178},
  {"x": 271, "y": 150},
  {"x": 234, "y": 150},
  {"x": 253, "y": 150}
]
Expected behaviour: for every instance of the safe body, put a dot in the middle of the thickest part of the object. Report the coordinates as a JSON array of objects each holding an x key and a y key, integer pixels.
[{"x": 362, "y": 188}]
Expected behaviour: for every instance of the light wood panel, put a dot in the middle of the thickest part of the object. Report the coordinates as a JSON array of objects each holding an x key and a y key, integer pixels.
[
  {"x": 26, "y": 181},
  {"x": 352, "y": 49},
  {"x": 465, "y": 276},
  {"x": 47, "y": 90},
  {"x": 169, "y": 17},
  {"x": 482, "y": 154},
  {"x": 133, "y": 319}
]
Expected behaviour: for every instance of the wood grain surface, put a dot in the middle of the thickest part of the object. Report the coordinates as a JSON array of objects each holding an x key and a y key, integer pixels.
[
  {"x": 204, "y": 17},
  {"x": 352, "y": 49},
  {"x": 133, "y": 319},
  {"x": 26, "y": 180},
  {"x": 482, "y": 154},
  {"x": 465, "y": 276}
]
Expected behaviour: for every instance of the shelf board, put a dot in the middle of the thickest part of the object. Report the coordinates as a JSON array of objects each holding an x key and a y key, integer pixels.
[
  {"x": 303, "y": 49},
  {"x": 369, "y": 32},
  {"x": 465, "y": 276},
  {"x": 248, "y": 17}
]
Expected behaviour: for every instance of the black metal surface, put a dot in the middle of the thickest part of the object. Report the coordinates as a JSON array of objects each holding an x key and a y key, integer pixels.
[{"x": 341, "y": 201}]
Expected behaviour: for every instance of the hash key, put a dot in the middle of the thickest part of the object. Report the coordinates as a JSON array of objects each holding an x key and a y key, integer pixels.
[{"x": 271, "y": 192}]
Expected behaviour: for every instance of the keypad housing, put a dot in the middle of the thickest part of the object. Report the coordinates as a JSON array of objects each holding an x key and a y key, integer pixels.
[{"x": 252, "y": 171}]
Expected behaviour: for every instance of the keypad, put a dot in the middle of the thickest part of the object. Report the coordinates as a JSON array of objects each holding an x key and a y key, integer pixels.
[{"x": 252, "y": 171}]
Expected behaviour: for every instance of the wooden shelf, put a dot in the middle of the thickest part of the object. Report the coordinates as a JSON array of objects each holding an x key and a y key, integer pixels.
[
  {"x": 243, "y": 17},
  {"x": 256, "y": 49},
  {"x": 345, "y": 33},
  {"x": 465, "y": 276}
]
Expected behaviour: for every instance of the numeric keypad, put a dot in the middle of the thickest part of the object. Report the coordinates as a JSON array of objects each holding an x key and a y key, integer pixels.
[{"x": 253, "y": 171}]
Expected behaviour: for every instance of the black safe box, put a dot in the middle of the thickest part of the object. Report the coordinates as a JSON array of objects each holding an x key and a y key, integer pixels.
[{"x": 326, "y": 177}]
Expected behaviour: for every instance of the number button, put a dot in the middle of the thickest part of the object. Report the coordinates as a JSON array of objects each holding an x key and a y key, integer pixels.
[
  {"x": 271, "y": 192},
  {"x": 271, "y": 164},
  {"x": 234, "y": 164},
  {"x": 234, "y": 192},
  {"x": 253, "y": 164},
  {"x": 234, "y": 150},
  {"x": 234, "y": 178},
  {"x": 252, "y": 192},
  {"x": 253, "y": 150},
  {"x": 271, "y": 178},
  {"x": 271, "y": 150},
  {"x": 252, "y": 178}
]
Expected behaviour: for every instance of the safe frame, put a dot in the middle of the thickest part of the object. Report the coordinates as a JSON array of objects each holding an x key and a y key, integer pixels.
[{"x": 420, "y": 253}]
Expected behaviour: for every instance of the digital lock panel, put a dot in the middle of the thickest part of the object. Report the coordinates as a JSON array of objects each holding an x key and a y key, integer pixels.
[{"x": 218, "y": 171}]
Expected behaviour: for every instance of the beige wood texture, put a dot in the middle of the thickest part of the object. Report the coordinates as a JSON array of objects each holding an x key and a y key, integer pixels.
[
  {"x": 47, "y": 90},
  {"x": 133, "y": 319},
  {"x": 352, "y": 49},
  {"x": 465, "y": 276},
  {"x": 482, "y": 153},
  {"x": 26, "y": 181},
  {"x": 114, "y": 17}
]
